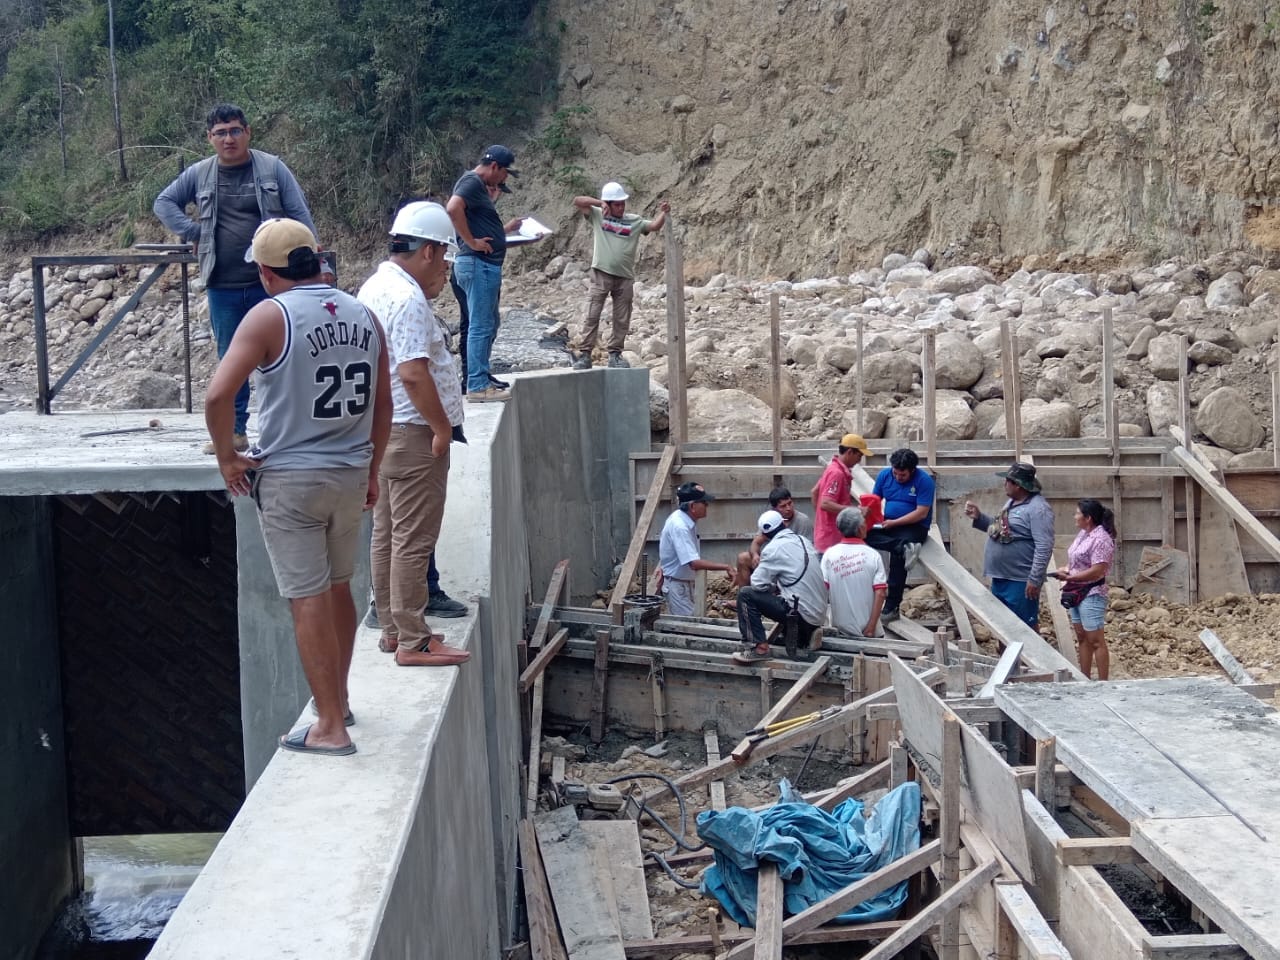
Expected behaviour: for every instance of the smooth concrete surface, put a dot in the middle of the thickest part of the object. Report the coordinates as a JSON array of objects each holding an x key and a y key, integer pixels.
[
  {"x": 35, "y": 842},
  {"x": 91, "y": 452},
  {"x": 393, "y": 853},
  {"x": 577, "y": 432}
]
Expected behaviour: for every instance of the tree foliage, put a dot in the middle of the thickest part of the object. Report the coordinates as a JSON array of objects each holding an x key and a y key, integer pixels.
[{"x": 369, "y": 101}]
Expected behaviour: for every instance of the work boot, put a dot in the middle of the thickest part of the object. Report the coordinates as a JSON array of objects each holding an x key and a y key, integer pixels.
[
  {"x": 239, "y": 441},
  {"x": 491, "y": 395},
  {"x": 441, "y": 604},
  {"x": 582, "y": 361},
  {"x": 617, "y": 363},
  {"x": 890, "y": 615}
]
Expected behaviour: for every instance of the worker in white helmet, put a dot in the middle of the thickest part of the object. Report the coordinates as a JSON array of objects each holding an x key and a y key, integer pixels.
[
  {"x": 427, "y": 413},
  {"x": 613, "y": 267}
]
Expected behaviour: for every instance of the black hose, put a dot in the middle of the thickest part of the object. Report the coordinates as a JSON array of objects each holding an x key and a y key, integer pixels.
[
  {"x": 644, "y": 808},
  {"x": 661, "y": 861}
]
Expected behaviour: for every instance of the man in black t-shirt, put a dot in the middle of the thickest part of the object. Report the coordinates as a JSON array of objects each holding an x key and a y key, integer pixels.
[{"x": 482, "y": 248}]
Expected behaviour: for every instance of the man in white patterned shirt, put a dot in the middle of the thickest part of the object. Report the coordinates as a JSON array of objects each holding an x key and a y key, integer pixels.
[{"x": 427, "y": 405}]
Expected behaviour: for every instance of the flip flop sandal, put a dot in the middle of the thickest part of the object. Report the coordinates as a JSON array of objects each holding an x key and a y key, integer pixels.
[{"x": 296, "y": 740}]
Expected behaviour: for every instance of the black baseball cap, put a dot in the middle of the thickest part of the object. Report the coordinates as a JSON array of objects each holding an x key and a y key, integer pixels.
[
  {"x": 692, "y": 493},
  {"x": 502, "y": 156}
]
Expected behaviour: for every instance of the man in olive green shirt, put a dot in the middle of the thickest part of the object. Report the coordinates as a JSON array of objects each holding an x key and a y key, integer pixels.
[{"x": 613, "y": 267}]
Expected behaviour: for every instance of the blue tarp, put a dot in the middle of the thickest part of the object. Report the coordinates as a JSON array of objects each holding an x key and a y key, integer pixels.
[{"x": 817, "y": 853}]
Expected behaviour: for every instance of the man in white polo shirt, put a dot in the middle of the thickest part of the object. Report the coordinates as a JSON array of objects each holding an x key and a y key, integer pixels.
[
  {"x": 855, "y": 578},
  {"x": 427, "y": 405},
  {"x": 680, "y": 553}
]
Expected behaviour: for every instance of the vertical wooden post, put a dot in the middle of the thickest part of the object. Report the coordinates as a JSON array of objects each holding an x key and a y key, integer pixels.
[
  {"x": 1012, "y": 388},
  {"x": 856, "y": 736},
  {"x": 1189, "y": 484},
  {"x": 1275, "y": 410},
  {"x": 1111, "y": 418},
  {"x": 928, "y": 373},
  {"x": 766, "y": 690},
  {"x": 861, "y": 432},
  {"x": 678, "y": 412},
  {"x": 775, "y": 383},
  {"x": 897, "y": 765},
  {"x": 658, "y": 683},
  {"x": 600, "y": 686},
  {"x": 949, "y": 832},
  {"x": 1046, "y": 781}
]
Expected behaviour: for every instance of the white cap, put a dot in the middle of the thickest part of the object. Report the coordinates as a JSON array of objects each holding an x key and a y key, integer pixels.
[
  {"x": 771, "y": 522},
  {"x": 612, "y": 192}
]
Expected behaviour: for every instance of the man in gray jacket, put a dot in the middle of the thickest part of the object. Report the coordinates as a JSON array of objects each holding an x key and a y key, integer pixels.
[
  {"x": 233, "y": 191},
  {"x": 786, "y": 583}
]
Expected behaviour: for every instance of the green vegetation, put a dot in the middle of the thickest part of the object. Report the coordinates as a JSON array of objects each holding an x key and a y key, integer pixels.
[
  {"x": 368, "y": 101},
  {"x": 940, "y": 160}
]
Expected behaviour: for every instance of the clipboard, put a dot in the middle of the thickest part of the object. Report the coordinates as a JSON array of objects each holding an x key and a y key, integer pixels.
[{"x": 530, "y": 231}]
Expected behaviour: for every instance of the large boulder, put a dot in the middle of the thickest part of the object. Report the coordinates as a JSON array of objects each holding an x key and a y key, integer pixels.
[
  {"x": 873, "y": 423},
  {"x": 1225, "y": 418},
  {"x": 953, "y": 419},
  {"x": 154, "y": 391},
  {"x": 718, "y": 415},
  {"x": 1226, "y": 292},
  {"x": 840, "y": 354},
  {"x": 958, "y": 280},
  {"x": 1077, "y": 336},
  {"x": 1162, "y": 357},
  {"x": 889, "y": 372},
  {"x": 1044, "y": 421},
  {"x": 1163, "y": 409},
  {"x": 1210, "y": 354},
  {"x": 660, "y": 408},
  {"x": 803, "y": 349},
  {"x": 959, "y": 362}
]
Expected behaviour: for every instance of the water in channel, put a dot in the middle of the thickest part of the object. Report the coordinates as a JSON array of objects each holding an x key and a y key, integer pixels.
[{"x": 132, "y": 885}]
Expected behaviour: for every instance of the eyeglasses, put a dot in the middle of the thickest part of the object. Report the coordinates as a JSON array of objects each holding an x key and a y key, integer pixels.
[{"x": 235, "y": 133}]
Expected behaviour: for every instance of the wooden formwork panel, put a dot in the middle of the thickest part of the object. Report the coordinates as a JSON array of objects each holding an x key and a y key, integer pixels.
[{"x": 732, "y": 703}]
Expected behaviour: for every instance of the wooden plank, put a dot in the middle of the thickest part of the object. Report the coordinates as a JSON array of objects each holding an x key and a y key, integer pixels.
[
  {"x": 1092, "y": 851},
  {"x": 768, "y": 931},
  {"x": 1008, "y": 663},
  {"x": 620, "y": 842},
  {"x": 1162, "y": 572},
  {"x": 640, "y": 534},
  {"x": 918, "y": 925},
  {"x": 1229, "y": 663},
  {"x": 1093, "y": 921},
  {"x": 600, "y": 686},
  {"x": 928, "y": 374},
  {"x": 535, "y": 749},
  {"x": 544, "y": 657},
  {"x": 877, "y": 776},
  {"x": 1203, "y": 946},
  {"x": 784, "y": 704},
  {"x": 1221, "y": 564},
  {"x": 677, "y": 404},
  {"x": 851, "y": 895},
  {"x": 1008, "y": 379},
  {"x": 544, "y": 937},
  {"x": 1224, "y": 869},
  {"x": 584, "y": 913},
  {"x": 775, "y": 379},
  {"x": 949, "y": 831},
  {"x": 715, "y": 791},
  {"x": 1248, "y": 522},
  {"x": 1046, "y": 783},
  {"x": 696, "y": 944},
  {"x": 1038, "y": 940},
  {"x": 558, "y": 577},
  {"x": 990, "y": 791}
]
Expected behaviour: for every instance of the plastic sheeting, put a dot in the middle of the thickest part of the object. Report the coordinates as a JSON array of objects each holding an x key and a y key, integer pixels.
[{"x": 817, "y": 853}]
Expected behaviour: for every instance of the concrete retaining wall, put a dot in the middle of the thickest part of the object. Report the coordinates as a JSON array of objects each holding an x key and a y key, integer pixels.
[{"x": 35, "y": 839}]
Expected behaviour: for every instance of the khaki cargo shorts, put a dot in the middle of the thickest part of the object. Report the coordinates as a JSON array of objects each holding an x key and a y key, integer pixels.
[{"x": 310, "y": 523}]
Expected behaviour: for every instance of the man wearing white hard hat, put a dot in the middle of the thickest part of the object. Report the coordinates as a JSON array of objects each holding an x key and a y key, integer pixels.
[
  {"x": 426, "y": 407},
  {"x": 785, "y": 586},
  {"x": 616, "y": 236}
]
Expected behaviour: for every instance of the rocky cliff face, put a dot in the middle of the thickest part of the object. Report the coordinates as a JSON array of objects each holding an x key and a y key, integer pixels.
[{"x": 805, "y": 137}]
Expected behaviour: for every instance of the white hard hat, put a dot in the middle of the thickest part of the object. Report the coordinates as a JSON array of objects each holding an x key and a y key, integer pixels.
[
  {"x": 771, "y": 522},
  {"x": 426, "y": 221},
  {"x": 612, "y": 191}
]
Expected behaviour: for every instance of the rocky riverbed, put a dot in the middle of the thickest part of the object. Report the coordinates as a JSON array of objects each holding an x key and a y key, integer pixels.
[{"x": 1227, "y": 308}]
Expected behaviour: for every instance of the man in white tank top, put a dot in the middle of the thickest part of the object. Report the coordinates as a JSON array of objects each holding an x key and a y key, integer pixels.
[
  {"x": 319, "y": 362},
  {"x": 427, "y": 404}
]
